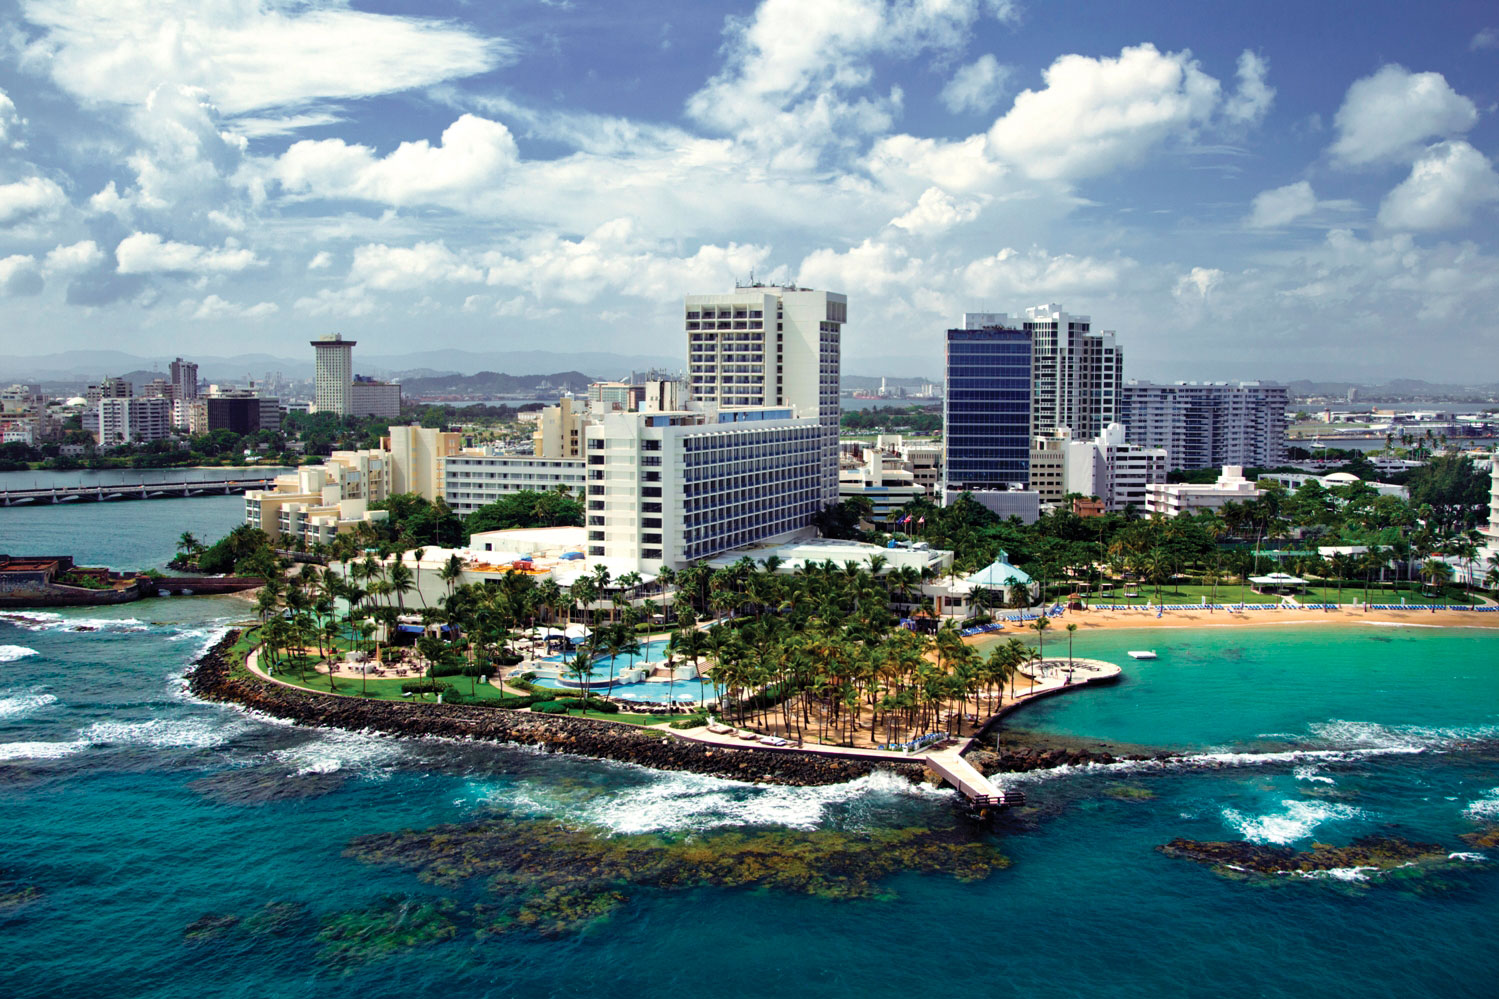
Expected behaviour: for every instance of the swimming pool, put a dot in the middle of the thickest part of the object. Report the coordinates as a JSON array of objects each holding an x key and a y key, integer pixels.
[{"x": 683, "y": 691}]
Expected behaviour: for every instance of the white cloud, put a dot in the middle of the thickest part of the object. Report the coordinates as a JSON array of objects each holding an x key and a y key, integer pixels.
[
  {"x": 1251, "y": 101},
  {"x": 351, "y": 302},
  {"x": 1282, "y": 205},
  {"x": 109, "y": 202},
  {"x": 11, "y": 122},
  {"x": 148, "y": 253},
  {"x": 321, "y": 260},
  {"x": 1038, "y": 275},
  {"x": 72, "y": 259},
  {"x": 214, "y": 307},
  {"x": 615, "y": 259},
  {"x": 396, "y": 268},
  {"x": 472, "y": 156},
  {"x": 905, "y": 162},
  {"x": 1096, "y": 115},
  {"x": 1487, "y": 38},
  {"x": 1444, "y": 188},
  {"x": 977, "y": 86},
  {"x": 1194, "y": 286},
  {"x": 19, "y": 276},
  {"x": 936, "y": 212},
  {"x": 875, "y": 267},
  {"x": 1387, "y": 116},
  {"x": 247, "y": 55},
  {"x": 34, "y": 197}
]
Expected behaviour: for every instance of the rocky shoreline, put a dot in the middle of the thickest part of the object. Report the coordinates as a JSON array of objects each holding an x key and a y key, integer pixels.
[{"x": 212, "y": 679}]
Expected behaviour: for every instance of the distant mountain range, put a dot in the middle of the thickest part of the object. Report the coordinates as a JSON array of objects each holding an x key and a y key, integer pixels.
[
  {"x": 85, "y": 366},
  {"x": 1396, "y": 390},
  {"x": 490, "y": 384}
]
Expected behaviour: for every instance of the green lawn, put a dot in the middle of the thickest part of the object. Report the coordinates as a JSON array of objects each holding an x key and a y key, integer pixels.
[{"x": 1234, "y": 593}]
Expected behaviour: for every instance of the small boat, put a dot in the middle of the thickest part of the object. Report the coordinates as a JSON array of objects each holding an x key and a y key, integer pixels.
[{"x": 1141, "y": 654}]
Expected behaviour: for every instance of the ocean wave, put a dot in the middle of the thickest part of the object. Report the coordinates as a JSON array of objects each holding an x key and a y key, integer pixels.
[
  {"x": 1295, "y": 821},
  {"x": 10, "y": 653},
  {"x": 50, "y": 621},
  {"x": 1468, "y": 855},
  {"x": 679, "y": 802},
  {"x": 1485, "y": 809},
  {"x": 162, "y": 733},
  {"x": 334, "y": 750},
  {"x": 20, "y": 705},
  {"x": 1338, "y": 874},
  {"x": 11, "y": 751},
  {"x": 1409, "y": 738},
  {"x": 1309, "y": 772}
]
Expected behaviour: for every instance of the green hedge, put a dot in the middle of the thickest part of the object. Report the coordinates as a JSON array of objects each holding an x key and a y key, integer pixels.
[
  {"x": 425, "y": 687},
  {"x": 549, "y": 708},
  {"x": 691, "y": 721}
]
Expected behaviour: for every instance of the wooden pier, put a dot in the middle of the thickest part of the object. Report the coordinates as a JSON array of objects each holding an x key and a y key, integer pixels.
[{"x": 981, "y": 792}]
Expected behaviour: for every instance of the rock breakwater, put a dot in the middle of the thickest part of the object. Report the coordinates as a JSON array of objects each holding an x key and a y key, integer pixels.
[{"x": 214, "y": 678}]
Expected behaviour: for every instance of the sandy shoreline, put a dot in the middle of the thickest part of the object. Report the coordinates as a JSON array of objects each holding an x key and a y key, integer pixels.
[{"x": 1093, "y": 620}]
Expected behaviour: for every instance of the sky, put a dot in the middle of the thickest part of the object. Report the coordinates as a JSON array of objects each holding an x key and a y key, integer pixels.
[{"x": 1264, "y": 190}]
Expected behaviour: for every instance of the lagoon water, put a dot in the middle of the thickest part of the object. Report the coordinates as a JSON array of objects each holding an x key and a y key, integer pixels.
[{"x": 131, "y": 812}]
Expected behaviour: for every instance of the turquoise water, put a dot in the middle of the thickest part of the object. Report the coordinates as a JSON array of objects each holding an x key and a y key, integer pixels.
[
  {"x": 136, "y": 811},
  {"x": 683, "y": 691}
]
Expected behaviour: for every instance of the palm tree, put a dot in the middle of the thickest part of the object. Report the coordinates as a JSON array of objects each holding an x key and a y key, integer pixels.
[
  {"x": 1071, "y": 630},
  {"x": 1039, "y": 626}
]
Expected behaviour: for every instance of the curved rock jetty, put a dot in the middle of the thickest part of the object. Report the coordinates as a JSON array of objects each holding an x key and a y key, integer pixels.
[{"x": 213, "y": 679}]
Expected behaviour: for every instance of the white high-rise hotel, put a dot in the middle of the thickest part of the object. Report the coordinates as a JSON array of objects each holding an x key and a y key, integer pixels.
[
  {"x": 335, "y": 374},
  {"x": 753, "y": 456}
]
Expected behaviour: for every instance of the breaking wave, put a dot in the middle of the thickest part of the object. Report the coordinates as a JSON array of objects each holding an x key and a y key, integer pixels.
[
  {"x": 21, "y": 705},
  {"x": 694, "y": 802},
  {"x": 1295, "y": 821},
  {"x": 50, "y": 621},
  {"x": 10, "y": 653}
]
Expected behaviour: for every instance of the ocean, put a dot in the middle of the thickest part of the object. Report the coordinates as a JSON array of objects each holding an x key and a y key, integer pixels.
[{"x": 156, "y": 846}]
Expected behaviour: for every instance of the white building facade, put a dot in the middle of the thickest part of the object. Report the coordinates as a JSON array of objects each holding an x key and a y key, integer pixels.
[
  {"x": 132, "y": 420},
  {"x": 1209, "y": 424},
  {"x": 473, "y": 480},
  {"x": 1175, "y": 499},
  {"x": 1109, "y": 469},
  {"x": 368, "y": 397},
  {"x": 334, "y": 375},
  {"x": 766, "y": 346}
]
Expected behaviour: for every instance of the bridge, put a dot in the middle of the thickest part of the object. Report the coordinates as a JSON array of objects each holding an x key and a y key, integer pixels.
[{"x": 114, "y": 492}]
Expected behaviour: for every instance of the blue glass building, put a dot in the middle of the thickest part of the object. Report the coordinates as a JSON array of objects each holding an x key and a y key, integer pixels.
[{"x": 986, "y": 415}]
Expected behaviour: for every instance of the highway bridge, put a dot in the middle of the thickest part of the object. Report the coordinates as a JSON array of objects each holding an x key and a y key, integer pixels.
[{"x": 114, "y": 492}]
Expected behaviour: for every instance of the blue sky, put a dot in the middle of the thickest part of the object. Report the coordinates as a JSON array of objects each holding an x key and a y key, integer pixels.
[{"x": 1270, "y": 190}]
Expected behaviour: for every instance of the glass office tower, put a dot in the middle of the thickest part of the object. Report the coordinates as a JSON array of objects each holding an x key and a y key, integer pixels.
[{"x": 986, "y": 416}]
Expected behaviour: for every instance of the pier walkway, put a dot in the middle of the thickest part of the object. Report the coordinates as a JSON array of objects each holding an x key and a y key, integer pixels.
[{"x": 136, "y": 491}]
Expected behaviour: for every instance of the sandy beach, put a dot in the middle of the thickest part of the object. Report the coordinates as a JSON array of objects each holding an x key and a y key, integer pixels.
[{"x": 1145, "y": 617}]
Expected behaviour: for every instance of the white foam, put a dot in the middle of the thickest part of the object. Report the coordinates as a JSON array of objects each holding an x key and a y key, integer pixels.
[
  {"x": 1296, "y": 821},
  {"x": 1339, "y": 873},
  {"x": 1408, "y": 738},
  {"x": 49, "y": 621},
  {"x": 10, "y": 653},
  {"x": 1308, "y": 772},
  {"x": 334, "y": 750},
  {"x": 1475, "y": 858},
  {"x": 162, "y": 733},
  {"x": 1485, "y": 809},
  {"x": 39, "y": 750},
  {"x": 687, "y": 801},
  {"x": 21, "y": 705}
]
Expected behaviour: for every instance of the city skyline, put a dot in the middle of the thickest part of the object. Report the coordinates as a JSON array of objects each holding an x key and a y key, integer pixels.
[{"x": 1234, "y": 195}]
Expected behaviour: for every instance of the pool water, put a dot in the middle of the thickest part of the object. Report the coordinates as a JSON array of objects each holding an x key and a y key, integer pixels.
[{"x": 683, "y": 691}]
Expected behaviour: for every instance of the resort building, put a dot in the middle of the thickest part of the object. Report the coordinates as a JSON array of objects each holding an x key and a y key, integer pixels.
[
  {"x": 1175, "y": 499},
  {"x": 1109, "y": 469},
  {"x": 315, "y": 503},
  {"x": 559, "y": 431},
  {"x": 1293, "y": 481},
  {"x": 334, "y": 374},
  {"x": 671, "y": 488},
  {"x": 986, "y": 413},
  {"x": 882, "y": 477},
  {"x": 771, "y": 347},
  {"x": 1492, "y": 531},
  {"x": 1209, "y": 424},
  {"x": 416, "y": 456},
  {"x": 997, "y": 582},
  {"x": 472, "y": 480}
]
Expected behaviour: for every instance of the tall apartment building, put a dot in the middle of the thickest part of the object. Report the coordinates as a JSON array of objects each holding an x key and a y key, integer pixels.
[
  {"x": 109, "y": 388},
  {"x": 764, "y": 346},
  {"x": 1493, "y": 529},
  {"x": 670, "y": 488},
  {"x": 369, "y": 397},
  {"x": 125, "y": 420},
  {"x": 986, "y": 410},
  {"x": 1077, "y": 372},
  {"x": 335, "y": 374},
  {"x": 184, "y": 379},
  {"x": 1209, "y": 424},
  {"x": 1118, "y": 473}
]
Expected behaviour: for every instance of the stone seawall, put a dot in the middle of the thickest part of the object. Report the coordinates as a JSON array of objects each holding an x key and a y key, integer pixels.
[{"x": 212, "y": 679}]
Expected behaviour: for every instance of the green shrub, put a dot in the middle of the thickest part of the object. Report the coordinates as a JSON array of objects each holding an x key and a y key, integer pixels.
[
  {"x": 549, "y": 708},
  {"x": 449, "y": 669},
  {"x": 691, "y": 721},
  {"x": 513, "y": 702},
  {"x": 425, "y": 687},
  {"x": 508, "y": 659},
  {"x": 607, "y": 707}
]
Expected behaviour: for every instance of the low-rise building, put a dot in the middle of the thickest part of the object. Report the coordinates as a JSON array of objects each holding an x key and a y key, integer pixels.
[
  {"x": 1112, "y": 470},
  {"x": 416, "y": 456},
  {"x": 881, "y": 477},
  {"x": 472, "y": 479},
  {"x": 316, "y": 502},
  {"x": 1176, "y": 498}
]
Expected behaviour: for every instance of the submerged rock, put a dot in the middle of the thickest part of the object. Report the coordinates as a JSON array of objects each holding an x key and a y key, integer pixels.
[
  {"x": 211, "y": 927},
  {"x": 1376, "y": 853},
  {"x": 549, "y": 879},
  {"x": 14, "y": 896},
  {"x": 1484, "y": 839},
  {"x": 395, "y": 925}
]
